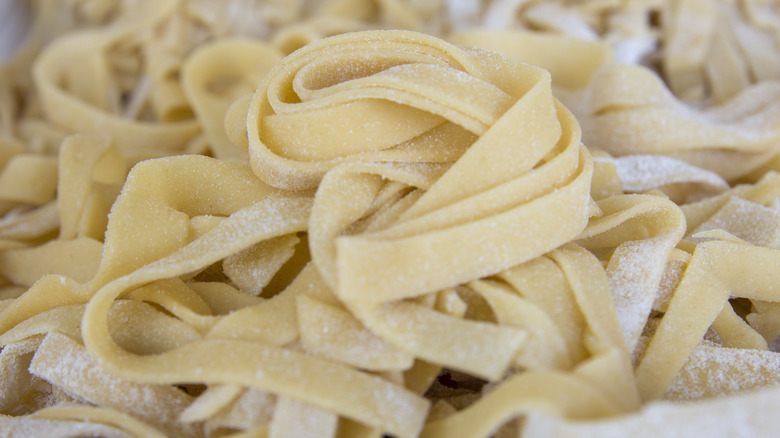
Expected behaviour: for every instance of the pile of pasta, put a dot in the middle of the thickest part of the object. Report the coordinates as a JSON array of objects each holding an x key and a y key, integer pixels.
[{"x": 391, "y": 218}]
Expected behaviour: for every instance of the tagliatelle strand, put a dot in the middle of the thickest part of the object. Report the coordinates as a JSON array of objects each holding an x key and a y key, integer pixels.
[
  {"x": 544, "y": 50},
  {"x": 713, "y": 264},
  {"x": 636, "y": 265},
  {"x": 731, "y": 139},
  {"x": 83, "y": 113},
  {"x": 89, "y": 167},
  {"x": 215, "y": 75},
  {"x": 281, "y": 364},
  {"x": 161, "y": 404},
  {"x": 394, "y": 235},
  {"x": 431, "y": 221}
]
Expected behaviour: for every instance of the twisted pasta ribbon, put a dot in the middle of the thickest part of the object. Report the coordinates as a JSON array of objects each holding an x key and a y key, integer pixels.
[
  {"x": 603, "y": 381},
  {"x": 176, "y": 251},
  {"x": 557, "y": 54},
  {"x": 715, "y": 371},
  {"x": 676, "y": 179},
  {"x": 91, "y": 175},
  {"x": 77, "y": 90},
  {"x": 734, "y": 356},
  {"x": 636, "y": 263},
  {"x": 717, "y": 49},
  {"x": 731, "y": 139},
  {"x": 414, "y": 109},
  {"x": 163, "y": 403},
  {"x": 385, "y": 104},
  {"x": 218, "y": 73},
  {"x": 411, "y": 210},
  {"x": 717, "y": 270},
  {"x": 763, "y": 193}
]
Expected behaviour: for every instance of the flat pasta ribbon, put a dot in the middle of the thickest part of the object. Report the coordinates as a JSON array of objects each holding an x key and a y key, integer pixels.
[
  {"x": 218, "y": 73},
  {"x": 78, "y": 92},
  {"x": 640, "y": 232},
  {"x": 718, "y": 49},
  {"x": 394, "y": 235},
  {"x": 717, "y": 270},
  {"x": 731, "y": 139},
  {"x": 123, "y": 271},
  {"x": 444, "y": 211}
]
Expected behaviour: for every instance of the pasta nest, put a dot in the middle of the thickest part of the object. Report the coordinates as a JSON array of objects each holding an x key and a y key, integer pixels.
[
  {"x": 401, "y": 97},
  {"x": 434, "y": 165}
]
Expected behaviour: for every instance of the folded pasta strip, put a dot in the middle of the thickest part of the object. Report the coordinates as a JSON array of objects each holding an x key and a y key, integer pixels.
[{"x": 274, "y": 220}]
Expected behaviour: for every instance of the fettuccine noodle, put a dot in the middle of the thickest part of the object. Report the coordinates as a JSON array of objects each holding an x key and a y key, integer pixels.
[{"x": 390, "y": 218}]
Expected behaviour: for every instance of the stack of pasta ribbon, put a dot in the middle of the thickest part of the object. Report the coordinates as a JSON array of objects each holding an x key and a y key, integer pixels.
[{"x": 499, "y": 233}]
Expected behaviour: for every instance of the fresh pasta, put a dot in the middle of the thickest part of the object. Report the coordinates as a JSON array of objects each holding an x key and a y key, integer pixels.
[{"x": 393, "y": 218}]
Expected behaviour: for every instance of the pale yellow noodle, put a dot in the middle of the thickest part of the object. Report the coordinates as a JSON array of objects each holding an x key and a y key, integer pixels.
[{"x": 499, "y": 232}]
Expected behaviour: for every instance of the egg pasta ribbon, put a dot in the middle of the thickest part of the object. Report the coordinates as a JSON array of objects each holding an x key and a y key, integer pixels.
[
  {"x": 218, "y": 73},
  {"x": 603, "y": 375},
  {"x": 78, "y": 92},
  {"x": 390, "y": 234},
  {"x": 717, "y": 270},
  {"x": 256, "y": 213},
  {"x": 731, "y": 139},
  {"x": 640, "y": 232},
  {"x": 424, "y": 115},
  {"x": 729, "y": 49}
]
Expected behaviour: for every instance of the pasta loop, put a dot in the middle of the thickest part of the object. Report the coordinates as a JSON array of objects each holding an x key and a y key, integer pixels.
[{"x": 423, "y": 242}]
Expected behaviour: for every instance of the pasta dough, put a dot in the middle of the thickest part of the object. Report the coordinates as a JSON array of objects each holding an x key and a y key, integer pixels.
[{"x": 503, "y": 218}]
